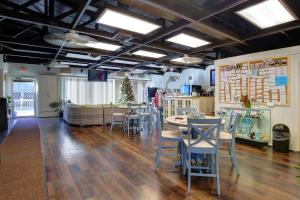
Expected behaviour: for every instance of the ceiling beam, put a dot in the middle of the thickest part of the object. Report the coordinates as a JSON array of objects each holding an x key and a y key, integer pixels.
[
  {"x": 228, "y": 35},
  {"x": 20, "y": 7},
  {"x": 43, "y": 59},
  {"x": 54, "y": 23},
  {"x": 262, "y": 33},
  {"x": 46, "y": 47},
  {"x": 74, "y": 23},
  {"x": 169, "y": 30},
  {"x": 80, "y": 13},
  {"x": 27, "y": 28}
]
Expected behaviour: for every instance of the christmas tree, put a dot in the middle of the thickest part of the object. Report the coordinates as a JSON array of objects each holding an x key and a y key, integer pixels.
[{"x": 126, "y": 92}]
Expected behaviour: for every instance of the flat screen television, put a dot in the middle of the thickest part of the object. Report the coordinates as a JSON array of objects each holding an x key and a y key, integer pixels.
[{"x": 97, "y": 75}]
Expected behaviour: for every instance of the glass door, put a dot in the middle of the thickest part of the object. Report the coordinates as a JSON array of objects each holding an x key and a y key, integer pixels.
[{"x": 24, "y": 96}]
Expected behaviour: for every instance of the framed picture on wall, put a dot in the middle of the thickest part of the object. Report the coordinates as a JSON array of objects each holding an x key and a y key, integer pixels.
[{"x": 212, "y": 77}]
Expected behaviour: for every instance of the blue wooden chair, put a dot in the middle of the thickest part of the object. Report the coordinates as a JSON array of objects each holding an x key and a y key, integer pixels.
[
  {"x": 184, "y": 111},
  {"x": 228, "y": 136},
  {"x": 116, "y": 118},
  {"x": 207, "y": 144},
  {"x": 164, "y": 136}
]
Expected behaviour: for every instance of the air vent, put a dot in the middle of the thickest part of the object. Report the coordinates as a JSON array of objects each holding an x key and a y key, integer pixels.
[{"x": 122, "y": 37}]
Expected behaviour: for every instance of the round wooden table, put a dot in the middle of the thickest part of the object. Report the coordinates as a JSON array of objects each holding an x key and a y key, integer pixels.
[{"x": 181, "y": 120}]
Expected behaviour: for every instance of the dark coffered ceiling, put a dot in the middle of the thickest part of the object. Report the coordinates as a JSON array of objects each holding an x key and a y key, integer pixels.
[{"x": 23, "y": 23}]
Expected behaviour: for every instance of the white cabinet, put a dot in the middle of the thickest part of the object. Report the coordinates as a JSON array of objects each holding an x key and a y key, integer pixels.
[
  {"x": 202, "y": 104},
  {"x": 47, "y": 93}
]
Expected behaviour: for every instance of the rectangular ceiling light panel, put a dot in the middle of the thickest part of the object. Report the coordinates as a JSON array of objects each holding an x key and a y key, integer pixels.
[
  {"x": 123, "y": 21},
  {"x": 102, "y": 45},
  {"x": 125, "y": 62},
  {"x": 267, "y": 14},
  {"x": 77, "y": 64},
  {"x": 148, "y": 54},
  {"x": 108, "y": 67},
  {"x": 187, "y": 40},
  {"x": 82, "y": 56}
]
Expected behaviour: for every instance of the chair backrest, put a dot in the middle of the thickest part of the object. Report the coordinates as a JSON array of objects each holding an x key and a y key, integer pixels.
[
  {"x": 156, "y": 121},
  {"x": 206, "y": 130},
  {"x": 234, "y": 121},
  {"x": 185, "y": 111},
  {"x": 134, "y": 108}
]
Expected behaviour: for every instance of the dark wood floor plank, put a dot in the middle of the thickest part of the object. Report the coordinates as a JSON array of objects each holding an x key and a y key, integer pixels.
[{"x": 89, "y": 163}]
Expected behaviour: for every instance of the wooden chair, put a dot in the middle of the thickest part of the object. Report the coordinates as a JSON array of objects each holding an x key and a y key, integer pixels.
[
  {"x": 133, "y": 118},
  {"x": 228, "y": 136},
  {"x": 207, "y": 144},
  {"x": 164, "y": 136},
  {"x": 117, "y": 118}
]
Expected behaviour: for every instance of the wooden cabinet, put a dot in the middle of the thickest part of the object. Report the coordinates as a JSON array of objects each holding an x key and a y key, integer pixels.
[{"x": 202, "y": 104}]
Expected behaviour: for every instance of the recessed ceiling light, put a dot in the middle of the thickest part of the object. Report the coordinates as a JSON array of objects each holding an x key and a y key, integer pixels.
[
  {"x": 82, "y": 56},
  {"x": 187, "y": 40},
  {"x": 72, "y": 63},
  {"x": 148, "y": 54},
  {"x": 109, "y": 67},
  {"x": 102, "y": 45},
  {"x": 267, "y": 14},
  {"x": 156, "y": 66},
  {"x": 123, "y": 21},
  {"x": 125, "y": 62}
]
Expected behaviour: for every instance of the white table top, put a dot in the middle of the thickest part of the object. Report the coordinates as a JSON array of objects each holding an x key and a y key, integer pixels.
[{"x": 181, "y": 120}]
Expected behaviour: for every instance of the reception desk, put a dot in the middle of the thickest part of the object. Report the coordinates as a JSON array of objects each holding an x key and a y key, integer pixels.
[{"x": 202, "y": 104}]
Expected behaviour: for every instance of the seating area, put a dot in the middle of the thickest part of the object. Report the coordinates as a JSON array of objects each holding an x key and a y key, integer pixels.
[{"x": 149, "y": 100}]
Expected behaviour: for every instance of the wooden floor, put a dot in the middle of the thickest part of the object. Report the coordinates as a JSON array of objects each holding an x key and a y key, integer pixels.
[{"x": 88, "y": 163}]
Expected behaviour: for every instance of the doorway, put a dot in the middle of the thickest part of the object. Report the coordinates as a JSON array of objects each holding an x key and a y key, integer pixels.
[{"x": 24, "y": 96}]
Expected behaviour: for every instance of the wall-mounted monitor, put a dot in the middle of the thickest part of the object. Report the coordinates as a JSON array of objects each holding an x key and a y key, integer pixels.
[{"x": 97, "y": 75}]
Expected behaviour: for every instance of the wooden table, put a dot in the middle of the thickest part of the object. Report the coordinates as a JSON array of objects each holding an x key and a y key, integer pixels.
[{"x": 181, "y": 120}]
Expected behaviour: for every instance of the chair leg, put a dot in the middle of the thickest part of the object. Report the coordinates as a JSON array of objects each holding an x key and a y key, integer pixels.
[
  {"x": 111, "y": 127},
  {"x": 189, "y": 172},
  {"x": 128, "y": 127},
  {"x": 233, "y": 159},
  {"x": 217, "y": 174},
  {"x": 157, "y": 157},
  {"x": 183, "y": 159}
]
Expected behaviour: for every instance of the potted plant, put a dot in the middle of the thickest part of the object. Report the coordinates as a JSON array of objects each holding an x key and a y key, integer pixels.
[
  {"x": 245, "y": 101},
  {"x": 57, "y": 107}
]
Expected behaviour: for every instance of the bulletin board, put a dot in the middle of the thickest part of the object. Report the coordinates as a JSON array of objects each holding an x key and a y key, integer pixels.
[{"x": 264, "y": 81}]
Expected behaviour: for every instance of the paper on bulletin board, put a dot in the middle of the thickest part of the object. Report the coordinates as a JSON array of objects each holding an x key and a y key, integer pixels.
[
  {"x": 282, "y": 71},
  {"x": 281, "y": 80}
]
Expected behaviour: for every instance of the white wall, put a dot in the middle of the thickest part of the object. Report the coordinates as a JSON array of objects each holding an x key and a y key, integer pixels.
[
  {"x": 289, "y": 115},
  {"x": 199, "y": 77},
  {"x": 47, "y": 90}
]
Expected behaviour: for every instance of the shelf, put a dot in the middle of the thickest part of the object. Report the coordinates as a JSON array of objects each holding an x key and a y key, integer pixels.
[{"x": 247, "y": 138}]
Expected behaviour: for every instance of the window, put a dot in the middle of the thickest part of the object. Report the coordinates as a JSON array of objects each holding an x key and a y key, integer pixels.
[
  {"x": 79, "y": 91},
  {"x": 139, "y": 90}
]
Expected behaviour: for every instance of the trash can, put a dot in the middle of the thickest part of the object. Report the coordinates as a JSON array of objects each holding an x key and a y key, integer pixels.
[{"x": 281, "y": 138}]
